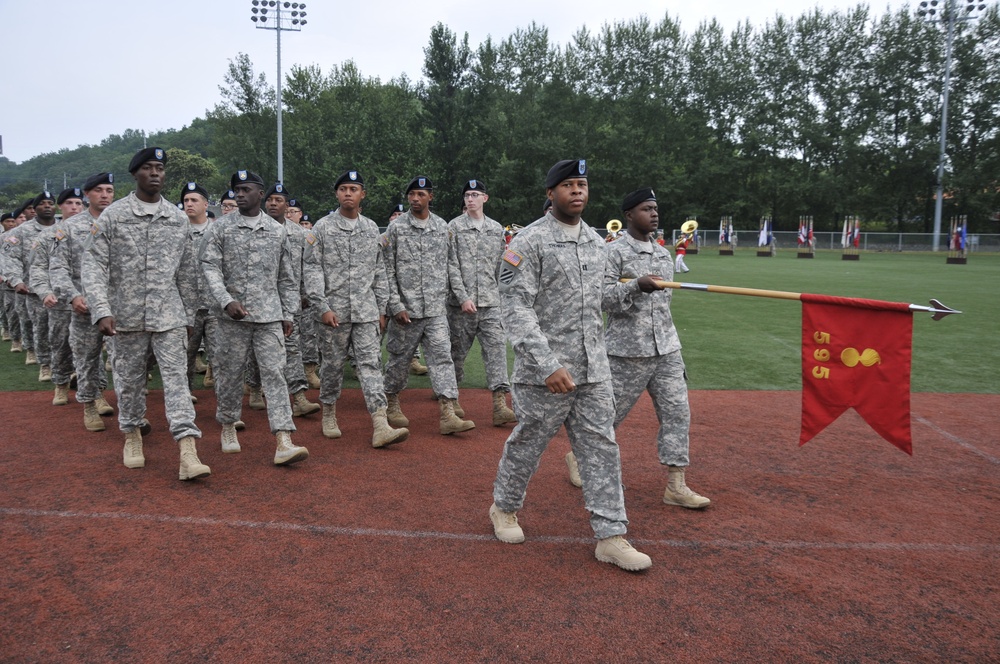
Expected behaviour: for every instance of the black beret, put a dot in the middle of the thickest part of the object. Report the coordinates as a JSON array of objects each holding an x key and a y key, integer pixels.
[
  {"x": 147, "y": 154},
  {"x": 419, "y": 182},
  {"x": 230, "y": 195},
  {"x": 398, "y": 207},
  {"x": 180, "y": 205},
  {"x": 211, "y": 215},
  {"x": 67, "y": 194},
  {"x": 564, "y": 170},
  {"x": 18, "y": 211},
  {"x": 27, "y": 204},
  {"x": 245, "y": 177},
  {"x": 474, "y": 185},
  {"x": 546, "y": 205},
  {"x": 44, "y": 196},
  {"x": 277, "y": 189},
  {"x": 350, "y": 177},
  {"x": 7, "y": 215},
  {"x": 305, "y": 217},
  {"x": 193, "y": 188},
  {"x": 100, "y": 178},
  {"x": 294, "y": 203},
  {"x": 636, "y": 197}
]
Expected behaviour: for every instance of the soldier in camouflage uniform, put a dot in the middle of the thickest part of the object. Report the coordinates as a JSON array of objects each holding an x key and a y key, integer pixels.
[
  {"x": 9, "y": 299},
  {"x": 276, "y": 206},
  {"x": 475, "y": 247},
  {"x": 65, "y": 272},
  {"x": 60, "y": 311},
  {"x": 308, "y": 334},
  {"x": 141, "y": 288},
  {"x": 416, "y": 251},
  {"x": 194, "y": 201},
  {"x": 643, "y": 347},
  {"x": 344, "y": 273},
  {"x": 551, "y": 280},
  {"x": 18, "y": 247},
  {"x": 247, "y": 259}
]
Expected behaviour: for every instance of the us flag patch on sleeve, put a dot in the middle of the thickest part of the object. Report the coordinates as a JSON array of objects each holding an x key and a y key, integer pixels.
[
  {"x": 311, "y": 239},
  {"x": 94, "y": 228},
  {"x": 512, "y": 257}
]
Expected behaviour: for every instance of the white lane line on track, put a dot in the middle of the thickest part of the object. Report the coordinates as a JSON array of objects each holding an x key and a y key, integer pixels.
[
  {"x": 470, "y": 537},
  {"x": 955, "y": 439}
]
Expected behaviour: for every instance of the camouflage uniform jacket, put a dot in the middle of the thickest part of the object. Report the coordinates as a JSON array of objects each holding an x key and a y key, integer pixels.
[
  {"x": 66, "y": 264},
  {"x": 249, "y": 260},
  {"x": 297, "y": 240},
  {"x": 416, "y": 265},
  {"x": 140, "y": 267},
  {"x": 550, "y": 291},
  {"x": 639, "y": 324},
  {"x": 49, "y": 242},
  {"x": 198, "y": 233},
  {"x": 17, "y": 246},
  {"x": 344, "y": 270},
  {"x": 473, "y": 259},
  {"x": 5, "y": 269}
]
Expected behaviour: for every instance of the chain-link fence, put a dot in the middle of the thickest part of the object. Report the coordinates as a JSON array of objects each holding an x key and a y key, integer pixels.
[{"x": 867, "y": 242}]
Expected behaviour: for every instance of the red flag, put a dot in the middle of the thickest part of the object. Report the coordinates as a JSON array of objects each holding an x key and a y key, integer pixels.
[{"x": 856, "y": 354}]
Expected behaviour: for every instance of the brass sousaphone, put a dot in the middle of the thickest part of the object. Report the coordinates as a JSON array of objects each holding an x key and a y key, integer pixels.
[
  {"x": 613, "y": 226},
  {"x": 689, "y": 226}
]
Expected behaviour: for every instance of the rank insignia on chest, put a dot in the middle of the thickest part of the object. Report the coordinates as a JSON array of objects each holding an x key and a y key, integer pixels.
[{"x": 512, "y": 257}]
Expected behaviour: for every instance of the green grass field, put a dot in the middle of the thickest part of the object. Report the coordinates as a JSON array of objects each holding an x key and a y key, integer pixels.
[{"x": 734, "y": 342}]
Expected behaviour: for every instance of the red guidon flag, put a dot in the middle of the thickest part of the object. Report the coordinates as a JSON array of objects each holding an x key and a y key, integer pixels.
[{"x": 856, "y": 354}]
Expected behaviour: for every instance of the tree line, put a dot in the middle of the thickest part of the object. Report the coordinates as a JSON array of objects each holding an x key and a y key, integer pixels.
[{"x": 829, "y": 114}]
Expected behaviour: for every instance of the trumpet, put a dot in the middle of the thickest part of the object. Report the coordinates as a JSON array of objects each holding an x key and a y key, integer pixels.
[{"x": 613, "y": 226}]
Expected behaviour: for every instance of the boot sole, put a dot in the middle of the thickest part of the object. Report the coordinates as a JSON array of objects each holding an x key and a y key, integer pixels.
[
  {"x": 634, "y": 567},
  {"x": 333, "y": 436},
  {"x": 197, "y": 476},
  {"x": 458, "y": 430},
  {"x": 685, "y": 505},
  {"x": 301, "y": 456},
  {"x": 133, "y": 464},
  {"x": 231, "y": 450},
  {"x": 95, "y": 429}
]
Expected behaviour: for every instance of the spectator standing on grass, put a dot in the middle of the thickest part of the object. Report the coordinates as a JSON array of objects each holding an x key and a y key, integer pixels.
[
  {"x": 139, "y": 278},
  {"x": 644, "y": 350},
  {"x": 551, "y": 280}
]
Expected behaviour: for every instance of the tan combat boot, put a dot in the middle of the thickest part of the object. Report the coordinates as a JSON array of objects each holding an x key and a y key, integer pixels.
[
  {"x": 302, "y": 406},
  {"x": 230, "y": 443},
  {"x": 239, "y": 425},
  {"x": 450, "y": 422},
  {"x": 209, "y": 380},
  {"x": 678, "y": 493},
  {"x": 286, "y": 453},
  {"x": 617, "y": 551},
  {"x": 312, "y": 378},
  {"x": 256, "y": 401},
  {"x": 416, "y": 368},
  {"x": 16, "y": 346},
  {"x": 30, "y": 358},
  {"x": 330, "y": 428},
  {"x": 44, "y": 374},
  {"x": 384, "y": 434},
  {"x": 501, "y": 413},
  {"x": 574, "y": 470},
  {"x": 394, "y": 413},
  {"x": 92, "y": 418},
  {"x": 459, "y": 411},
  {"x": 191, "y": 467},
  {"x": 200, "y": 366},
  {"x": 61, "y": 396},
  {"x": 505, "y": 526},
  {"x": 133, "y": 450},
  {"x": 5, "y": 335},
  {"x": 103, "y": 407}
]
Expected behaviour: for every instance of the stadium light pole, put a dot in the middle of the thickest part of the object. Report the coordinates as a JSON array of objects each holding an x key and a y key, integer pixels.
[
  {"x": 282, "y": 16},
  {"x": 949, "y": 16}
]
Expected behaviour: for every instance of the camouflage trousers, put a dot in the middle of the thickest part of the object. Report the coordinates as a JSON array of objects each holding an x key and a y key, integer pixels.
[
  {"x": 86, "y": 341},
  {"x": 486, "y": 325},
  {"x": 308, "y": 336},
  {"x": 62, "y": 352},
  {"x": 663, "y": 377},
  {"x": 27, "y": 327},
  {"x": 40, "y": 328},
  {"x": 204, "y": 331},
  {"x": 362, "y": 342},
  {"x": 588, "y": 413},
  {"x": 10, "y": 310},
  {"x": 267, "y": 343},
  {"x": 402, "y": 343},
  {"x": 130, "y": 368},
  {"x": 295, "y": 374}
]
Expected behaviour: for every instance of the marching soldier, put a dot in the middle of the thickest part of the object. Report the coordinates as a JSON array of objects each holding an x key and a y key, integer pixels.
[
  {"x": 65, "y": 271},
  {"x": 551, "y": 280},
  {"x": 141, "y": 289},
  {"x": 475, "y": 247},
  {"x": 12, "y": 327},
  {"x": 194, "y": 202},
  {"x": 247, "y": 260},
  {"x": 416, "y": 250},
  {"x": 643, "y": 347},
  {"x": 308, "y": 334},
  {"x": 346, "y": 283}
]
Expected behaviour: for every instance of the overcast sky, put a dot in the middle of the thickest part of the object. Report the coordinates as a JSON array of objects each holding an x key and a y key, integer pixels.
[{"x": 75, "y": 72}]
